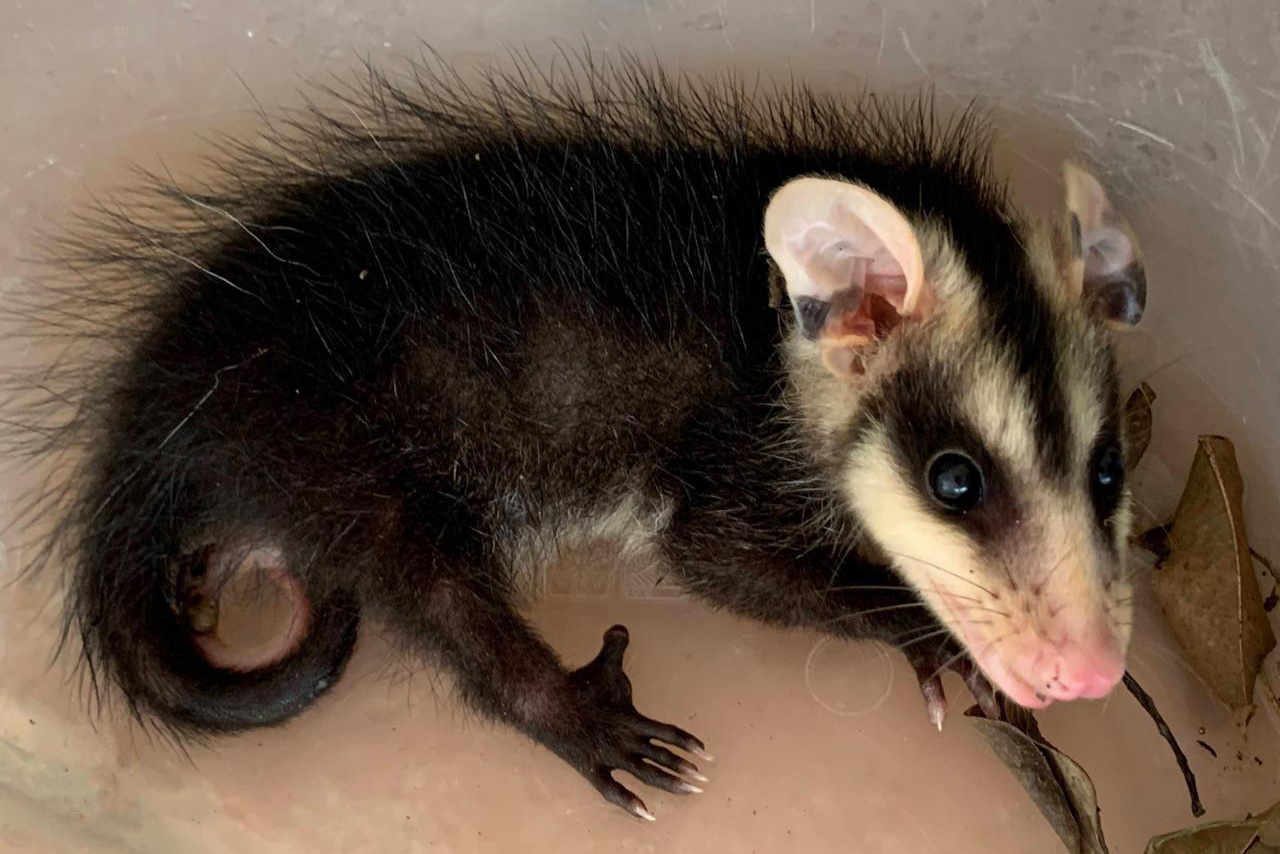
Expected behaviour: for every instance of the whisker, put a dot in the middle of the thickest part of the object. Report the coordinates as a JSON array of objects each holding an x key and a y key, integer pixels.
[
  {"x": 1061, "y": 561},
  {"x": 907, "y": 605},
  {"x": 852, "y": 614},
  {"x": 965, "y": 598},
  {"x": 1163, "y": 527},
  {"x": 940, "y": 569},
  {"x": 946, "y": 664},
  {"x": 847, "y": 587},
  {"x": 920, "y": 633},
  {"x": 1013, "y": 582},
  {"x": 987, "y": 610},
  {"x": 902, "y": 588},
  {"x": 1171, "y": 363},
  {"x": 1135, "y": 571},
  {"x": 965, "y": 609},
  {"x": 965, "y": 652},
  {"x": 905, "y": 588},
  {"x": 1167, "y": 653},
  {"x": 933, "y": 634}
]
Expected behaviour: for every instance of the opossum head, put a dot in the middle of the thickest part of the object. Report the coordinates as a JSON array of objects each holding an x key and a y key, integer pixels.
[{"x": 964, "y": 400}]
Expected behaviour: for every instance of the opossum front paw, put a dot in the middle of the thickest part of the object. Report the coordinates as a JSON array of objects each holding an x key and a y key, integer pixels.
[{"x": 610, "y": 735}]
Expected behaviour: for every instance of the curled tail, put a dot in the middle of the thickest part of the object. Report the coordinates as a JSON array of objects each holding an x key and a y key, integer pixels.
[
  {"x": 140, "y": 593},
  {"x": 144, "y": 507},
  {"x": 168, "y": 670}
]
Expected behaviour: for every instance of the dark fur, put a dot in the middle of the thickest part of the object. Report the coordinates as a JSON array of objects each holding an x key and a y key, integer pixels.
[{"x": 435, "y": 314}]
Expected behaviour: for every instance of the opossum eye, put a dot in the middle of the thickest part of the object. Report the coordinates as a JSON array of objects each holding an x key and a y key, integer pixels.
[
  {"x": 955, "y": 481},
  {"x": 1107, "y": 477}
]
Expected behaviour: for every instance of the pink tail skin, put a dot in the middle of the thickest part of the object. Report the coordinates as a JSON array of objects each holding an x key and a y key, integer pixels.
[{"x": 283, "y": 642}]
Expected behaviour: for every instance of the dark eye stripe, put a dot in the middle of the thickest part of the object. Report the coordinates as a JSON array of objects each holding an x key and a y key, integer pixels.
[{"x": 921, "y": 418}]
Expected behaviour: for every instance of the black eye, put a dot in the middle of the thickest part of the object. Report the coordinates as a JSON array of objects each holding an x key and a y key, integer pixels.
[
  {"x": 955, "y": 481},
  {"x": 1107, "y": 478}
]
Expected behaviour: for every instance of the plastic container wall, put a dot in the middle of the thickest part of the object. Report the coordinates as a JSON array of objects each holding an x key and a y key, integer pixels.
[{"x": 821, "y": 747}]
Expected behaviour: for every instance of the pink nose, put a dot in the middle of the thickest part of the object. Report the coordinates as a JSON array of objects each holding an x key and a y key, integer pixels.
[{"x": 1075, "y": 671}]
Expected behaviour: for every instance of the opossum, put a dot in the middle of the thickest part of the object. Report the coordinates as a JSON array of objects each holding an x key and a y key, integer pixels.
[{"x": 799, "y": 348}]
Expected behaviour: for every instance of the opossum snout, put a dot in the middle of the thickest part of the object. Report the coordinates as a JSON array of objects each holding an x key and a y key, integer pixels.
[
  {"x": 1037, "y": 654},
  {"x": 1074, "y": 668},
  {"x": 1038, "y": 664}
]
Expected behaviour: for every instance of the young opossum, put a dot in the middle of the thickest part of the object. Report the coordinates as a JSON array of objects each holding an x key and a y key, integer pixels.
[{"x": 390, "y": 356}]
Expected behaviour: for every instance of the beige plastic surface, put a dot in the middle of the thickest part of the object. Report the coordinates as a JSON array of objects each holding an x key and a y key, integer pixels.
[{"x": 821, "y": 747}]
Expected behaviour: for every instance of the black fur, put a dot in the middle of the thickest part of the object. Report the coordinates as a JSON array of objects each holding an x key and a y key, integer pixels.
[{"x": 435, "y": 315}]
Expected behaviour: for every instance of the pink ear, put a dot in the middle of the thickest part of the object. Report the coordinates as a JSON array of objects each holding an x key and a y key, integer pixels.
[
  {"x": 1107, "y": 270},
  {"x": 850, "y": 259}
]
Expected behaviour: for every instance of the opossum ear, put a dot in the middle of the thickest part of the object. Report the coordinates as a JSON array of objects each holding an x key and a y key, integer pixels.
[
  {"x": 1106, "y": 265},
  {"x": 851, "y": 263}
]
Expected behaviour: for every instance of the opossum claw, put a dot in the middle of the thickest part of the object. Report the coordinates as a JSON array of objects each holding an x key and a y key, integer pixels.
[
  {"x": 935, "y": 701},
  {"x": 929, "y": 665}
]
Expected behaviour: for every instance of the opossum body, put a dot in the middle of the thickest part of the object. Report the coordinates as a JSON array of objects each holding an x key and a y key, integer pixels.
[{"x": 412, "y": 336}]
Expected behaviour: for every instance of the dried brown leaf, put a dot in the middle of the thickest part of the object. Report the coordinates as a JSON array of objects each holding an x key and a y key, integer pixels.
[
  {"x": 1257, "y": 835},
  {"x": 1137, "y": 424},
  {"x": 1269, "y": 830},
  {"x": 1060, "y": 788},
  {"x": 1267, "y": 691},
  {"x": 1206, "y": 585}
]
